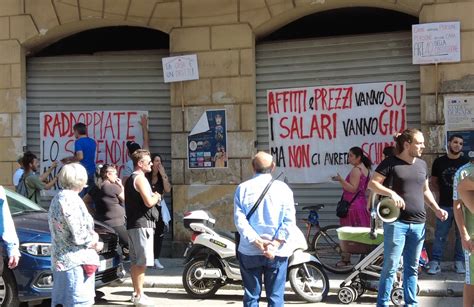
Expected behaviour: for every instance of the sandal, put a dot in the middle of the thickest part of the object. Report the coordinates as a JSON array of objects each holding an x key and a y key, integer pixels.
[{"x": 342, "y": 263}]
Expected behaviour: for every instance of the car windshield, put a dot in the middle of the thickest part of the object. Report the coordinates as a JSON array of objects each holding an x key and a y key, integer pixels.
[{"x": 20, "y": 205}]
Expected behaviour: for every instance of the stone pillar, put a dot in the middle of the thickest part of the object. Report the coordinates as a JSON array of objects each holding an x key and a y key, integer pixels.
[
  {"x": 15, "y": 28},
  {"x": 12, "y": 97},
  {"x": 227, "y": 81},
  {"x": 451, "y": 79}
]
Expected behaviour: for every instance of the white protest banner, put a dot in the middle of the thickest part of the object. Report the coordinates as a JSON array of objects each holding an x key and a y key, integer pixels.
[
  {"x": 110, "y": 129},
  {"x": 436, "y": 42},
  {"x": 180, "y": 68},
  {"x": 311, "y": 129}
]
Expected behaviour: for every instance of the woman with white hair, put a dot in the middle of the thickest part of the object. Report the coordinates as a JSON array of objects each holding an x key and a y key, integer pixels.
[{"x": 74, "y": 242}]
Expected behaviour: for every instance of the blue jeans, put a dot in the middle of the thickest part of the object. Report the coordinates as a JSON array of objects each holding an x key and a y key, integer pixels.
[
  {"x": 73, "y": 288},
  {"x": 253, "y": 268},
  {"x": 407, "y": 239},
  {"x": 441, "y": 234}
]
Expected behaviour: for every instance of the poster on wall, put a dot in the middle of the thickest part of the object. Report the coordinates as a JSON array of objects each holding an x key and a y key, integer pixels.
[
  {"x": 438, "y": 42},
  {"x": 311, "y": 129},
  {"x": 110, "y": 129},
  {"x": 459, "y": 112},
  {"x": 459, "y": 119},
  {"x": 207, "y": 142}
]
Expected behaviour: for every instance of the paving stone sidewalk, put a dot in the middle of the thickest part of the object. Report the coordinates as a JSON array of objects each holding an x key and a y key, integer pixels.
[{"x": 447, "y": 283}]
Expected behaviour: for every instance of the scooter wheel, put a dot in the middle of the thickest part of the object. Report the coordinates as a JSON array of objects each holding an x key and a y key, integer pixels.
[
  {"x": 397, "y": 296},
  {"x": 199, "y": 288},
  {"x": 346, "y": 295},
  {"x": 309, "y": 281}
]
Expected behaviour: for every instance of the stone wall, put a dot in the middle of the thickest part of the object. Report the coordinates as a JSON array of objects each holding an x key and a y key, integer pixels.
[
  {"x": 222, "y": 33},
  {"x": 447, "y": 79}
]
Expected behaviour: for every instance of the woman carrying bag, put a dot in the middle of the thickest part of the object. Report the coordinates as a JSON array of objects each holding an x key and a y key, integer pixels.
[{"x": 354, "y": 189}]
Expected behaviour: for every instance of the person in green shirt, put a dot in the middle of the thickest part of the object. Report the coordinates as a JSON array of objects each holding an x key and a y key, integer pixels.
[
  {"x": 35, "y": 182},
  {"x": 463, "y": 202}
]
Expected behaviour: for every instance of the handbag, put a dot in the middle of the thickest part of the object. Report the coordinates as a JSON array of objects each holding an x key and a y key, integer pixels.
[
  {"x": 251, "y": 212},
  {"x": 342, "y": 208}
]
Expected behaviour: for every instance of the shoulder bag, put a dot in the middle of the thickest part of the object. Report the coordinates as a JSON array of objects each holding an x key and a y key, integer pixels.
[{"x": 343, "y": 206}]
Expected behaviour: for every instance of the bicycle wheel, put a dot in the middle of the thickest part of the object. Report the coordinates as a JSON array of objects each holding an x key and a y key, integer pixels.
[{"x": 328, "y": 251}]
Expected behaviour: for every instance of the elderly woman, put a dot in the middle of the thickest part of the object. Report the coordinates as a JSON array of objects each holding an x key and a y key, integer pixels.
[{"x": 74, "y": 242}]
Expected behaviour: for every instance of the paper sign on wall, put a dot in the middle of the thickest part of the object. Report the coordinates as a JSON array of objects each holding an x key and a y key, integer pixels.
[
  {"x": 311, "y": 129},
  {"x": 207, "y": 142},
  {"x": 110, "y": 129},
  {"x": 180, "y": 68},
  {"x": 436, "y": 42}
]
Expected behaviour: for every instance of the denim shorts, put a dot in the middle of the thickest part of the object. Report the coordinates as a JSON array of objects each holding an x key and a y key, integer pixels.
[{"x": 73, "y": 288}]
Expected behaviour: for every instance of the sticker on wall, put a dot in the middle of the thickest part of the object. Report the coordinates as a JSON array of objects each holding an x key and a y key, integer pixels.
[{"x": 207, "y": 142}]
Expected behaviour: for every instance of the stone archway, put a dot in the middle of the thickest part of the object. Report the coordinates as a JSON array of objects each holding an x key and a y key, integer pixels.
[
  {"x": 29, "y": 25},
  {"x": 267, "y": 16},
  {"x": 46, "y": 21}
]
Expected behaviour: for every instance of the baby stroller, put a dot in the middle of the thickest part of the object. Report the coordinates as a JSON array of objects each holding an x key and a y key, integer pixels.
[{"x": 366, "y": 274}]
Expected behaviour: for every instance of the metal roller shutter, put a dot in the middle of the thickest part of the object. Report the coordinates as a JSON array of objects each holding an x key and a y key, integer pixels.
[
  {"x": 333, "y": 61},
  {"x": 130, "y": 80}
]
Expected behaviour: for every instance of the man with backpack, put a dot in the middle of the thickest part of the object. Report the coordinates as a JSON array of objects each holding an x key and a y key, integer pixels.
[{"x": 31, "y": 183}]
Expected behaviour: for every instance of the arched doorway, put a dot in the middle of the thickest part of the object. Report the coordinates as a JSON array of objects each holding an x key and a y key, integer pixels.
[
  {"x": 104, "y": 69},
  {"x": 336, "y": 47}
]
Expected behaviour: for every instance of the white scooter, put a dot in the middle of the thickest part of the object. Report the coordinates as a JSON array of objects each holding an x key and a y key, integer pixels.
[{"x": 211, "y": 263}]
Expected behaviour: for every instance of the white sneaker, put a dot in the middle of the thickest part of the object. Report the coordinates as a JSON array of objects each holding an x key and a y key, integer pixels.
[
  {"x": 141, "y": 300},
  {"x": 459, "y": 266},
  {"x": 158, "y": 265},
  {"x": 435, "y": 268}
]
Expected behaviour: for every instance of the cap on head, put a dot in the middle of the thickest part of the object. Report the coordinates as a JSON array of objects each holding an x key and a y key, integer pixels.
[
  {"x": 132, "y": 147},
  {"x": 262, "y": 163}
]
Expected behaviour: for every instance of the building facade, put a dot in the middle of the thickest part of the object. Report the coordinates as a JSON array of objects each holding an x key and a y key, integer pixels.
[{"x": 236, "y": 68}]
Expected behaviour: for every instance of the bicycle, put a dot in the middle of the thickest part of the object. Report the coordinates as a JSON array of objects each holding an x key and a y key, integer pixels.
[{"x": 325, "y": 243}]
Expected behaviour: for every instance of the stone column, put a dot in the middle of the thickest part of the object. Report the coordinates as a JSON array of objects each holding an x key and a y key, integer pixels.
[
  {"x": 226, "y": 62},
  {"x": 452, "y": 79},
  {"x": 12, "y": 90}
]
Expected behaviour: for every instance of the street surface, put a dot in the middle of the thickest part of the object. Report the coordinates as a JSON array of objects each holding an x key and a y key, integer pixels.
[{"x": 119, "y": 296}]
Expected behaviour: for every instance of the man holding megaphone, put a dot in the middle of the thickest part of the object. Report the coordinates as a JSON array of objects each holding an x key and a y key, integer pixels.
[{"x": 409, "y": 192}]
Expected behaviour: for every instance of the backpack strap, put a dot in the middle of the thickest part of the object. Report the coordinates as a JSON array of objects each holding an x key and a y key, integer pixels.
[{"x": 33, "y": 193}]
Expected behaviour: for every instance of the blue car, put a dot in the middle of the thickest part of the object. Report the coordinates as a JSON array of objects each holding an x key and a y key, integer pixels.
[{"x": 32, "y": 280}]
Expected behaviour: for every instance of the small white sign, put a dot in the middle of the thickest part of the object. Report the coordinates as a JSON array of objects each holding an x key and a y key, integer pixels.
[
  {"x": 436, "y": 42},
  {"x": 180, "y": 68}
]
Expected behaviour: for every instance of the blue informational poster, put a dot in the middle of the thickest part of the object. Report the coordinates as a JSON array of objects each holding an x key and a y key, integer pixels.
[
  {"x": 468, "y": 137},
  {"x": 207, "y": 142}
]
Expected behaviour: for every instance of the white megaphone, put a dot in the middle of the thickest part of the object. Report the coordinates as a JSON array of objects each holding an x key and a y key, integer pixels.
[{"x": 387, "y": 211}]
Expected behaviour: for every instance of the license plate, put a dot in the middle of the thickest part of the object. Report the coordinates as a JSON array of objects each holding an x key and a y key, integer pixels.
[{"x": 106, "y": 264}]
